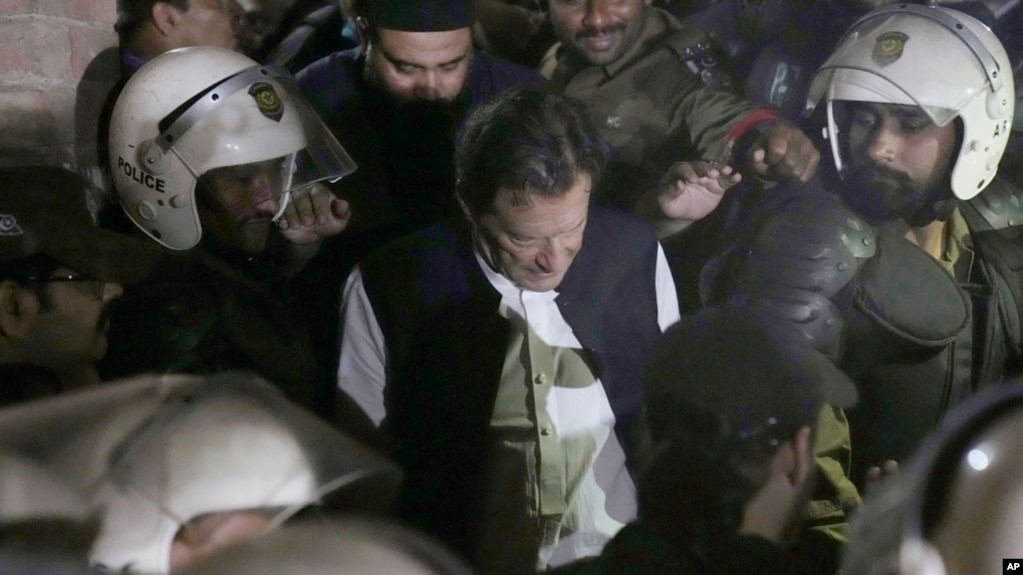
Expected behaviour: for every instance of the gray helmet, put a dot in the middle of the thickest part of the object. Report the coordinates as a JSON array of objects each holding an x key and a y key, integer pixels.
[{"x": 957, "y": 507}]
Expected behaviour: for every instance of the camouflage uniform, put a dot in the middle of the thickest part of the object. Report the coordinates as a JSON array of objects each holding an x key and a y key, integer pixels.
[
  {"x": 665, "y": 100},
  {"x": 200, "y": 314}
]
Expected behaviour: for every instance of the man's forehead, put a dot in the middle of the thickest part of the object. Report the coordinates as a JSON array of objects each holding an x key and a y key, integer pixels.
[
  {"x": 898, "y": 110},
  {"x": 424, "y": 47},
  {"x": 522, "y": 204},
  {"x": 246, "y": 170}
]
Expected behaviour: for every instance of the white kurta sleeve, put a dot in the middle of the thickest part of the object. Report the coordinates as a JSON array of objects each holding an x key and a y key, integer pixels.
[
  {"x": 667, "y": 297},
  {"x": 362, "y": 367}
]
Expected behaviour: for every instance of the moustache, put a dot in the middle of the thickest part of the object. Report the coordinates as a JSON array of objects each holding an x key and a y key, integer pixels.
[
  {"x": 880, "y": 193},
  {"x": 254, "y": 219}
]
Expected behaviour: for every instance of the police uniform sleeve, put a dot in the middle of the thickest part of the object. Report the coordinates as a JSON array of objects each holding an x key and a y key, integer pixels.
[{"x": 712, "y": 103}]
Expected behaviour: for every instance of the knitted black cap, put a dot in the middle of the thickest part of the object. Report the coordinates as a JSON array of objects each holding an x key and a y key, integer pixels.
[{"x": 419, "y": 15}]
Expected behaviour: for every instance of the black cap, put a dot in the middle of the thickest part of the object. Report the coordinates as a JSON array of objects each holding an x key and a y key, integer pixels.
[
  {"x": 732, "y": 376},
  {"x": 419, "y": 15},
  {"x": 45, "y": 210}
]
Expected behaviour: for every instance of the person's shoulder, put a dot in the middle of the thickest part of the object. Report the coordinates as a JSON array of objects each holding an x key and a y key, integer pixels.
[
  {"x": 621, "y": 223},
  {"x": 1000, "y": 206},
  {"x": 443, "y": 238},
  {"x": 313, "y": 37},
  {"x": 670, "y": 37},
  {"x": 492, "y": 74},
  {"x": 331, "y": 71},
  {"x": 436, "y": 260},
  {"x": 614, "y": 234}
]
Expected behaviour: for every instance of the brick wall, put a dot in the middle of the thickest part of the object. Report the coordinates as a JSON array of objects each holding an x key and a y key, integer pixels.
[{"x": 51, "y": 82}]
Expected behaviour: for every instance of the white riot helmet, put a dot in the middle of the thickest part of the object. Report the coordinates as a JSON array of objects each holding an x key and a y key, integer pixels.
[
  {"x": 151, "y": 453},
  {"x": 28, "y": 490},
  {"x": 943, "y": 61},
  {"x": 194, "y": 109},
  {"x": 229, "y": 444}
]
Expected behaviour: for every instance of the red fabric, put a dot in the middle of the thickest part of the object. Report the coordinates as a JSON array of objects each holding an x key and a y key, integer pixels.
[{"x": 749, "y": 120}]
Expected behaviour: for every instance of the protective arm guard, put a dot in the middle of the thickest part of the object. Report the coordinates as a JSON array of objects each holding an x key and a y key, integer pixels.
[
  {"x": 995, "y": 219},
  {"x": 804, "y": 254},
  {"x": 861, "y": 296}
]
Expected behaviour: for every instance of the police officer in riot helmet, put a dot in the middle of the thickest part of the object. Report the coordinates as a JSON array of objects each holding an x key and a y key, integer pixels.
[
  {"x": 221, "y": 160},
  {"x": 898, "y": 264}
]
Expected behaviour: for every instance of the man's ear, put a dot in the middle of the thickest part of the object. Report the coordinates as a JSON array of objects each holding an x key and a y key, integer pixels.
[
  {"x": 165, "y": 17},
  {"x": 16, "y": 311}
]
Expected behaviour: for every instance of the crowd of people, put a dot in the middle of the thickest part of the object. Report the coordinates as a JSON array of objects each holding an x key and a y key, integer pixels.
[{"x": 497, "y": 287}]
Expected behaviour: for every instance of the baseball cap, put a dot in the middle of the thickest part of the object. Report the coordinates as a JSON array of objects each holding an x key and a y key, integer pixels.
[
  {"x": 45, "y": 210},
  {"x": 730, "y": 375},
  {"x": 418, "y": 15}
]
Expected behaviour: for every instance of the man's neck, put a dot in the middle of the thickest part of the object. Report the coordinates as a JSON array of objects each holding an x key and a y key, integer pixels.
[
  {"x": 149, "y": 43},
  {"x": 929, "y": 238},
  {"x": 33, "y": 381}
]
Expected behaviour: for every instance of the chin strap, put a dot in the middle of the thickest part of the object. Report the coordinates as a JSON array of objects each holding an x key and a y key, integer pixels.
[{"x": 285, "y": 200}]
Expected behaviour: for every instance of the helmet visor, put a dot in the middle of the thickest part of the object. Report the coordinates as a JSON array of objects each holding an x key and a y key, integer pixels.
[
  {"x": 890, "y": 57},
  {"x": 249, "y": 121},
  {"x": 233, "y": 444}
]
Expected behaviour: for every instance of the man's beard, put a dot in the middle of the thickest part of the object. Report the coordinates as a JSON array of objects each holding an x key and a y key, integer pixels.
[
  {"x": 879, "y": 194},
  {"x": 387, "y": 101},
  {"x": 418, "y": 138}
]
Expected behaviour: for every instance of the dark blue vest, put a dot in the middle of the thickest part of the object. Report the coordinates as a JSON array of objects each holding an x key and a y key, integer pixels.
[{"x": 446, "y": 347}]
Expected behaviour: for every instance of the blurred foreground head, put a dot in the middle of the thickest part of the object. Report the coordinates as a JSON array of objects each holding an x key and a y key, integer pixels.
[
  {"x": 43, "y": 523},
  {"x": 731, "y": 405},
  {"x": 958, "y": 507},
  {"x": 353, "y": 546},
  {"x": 176, "y": 466}
]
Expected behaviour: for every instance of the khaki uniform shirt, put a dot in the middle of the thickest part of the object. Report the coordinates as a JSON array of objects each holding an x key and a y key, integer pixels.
[{"x": 667, "y": 99}]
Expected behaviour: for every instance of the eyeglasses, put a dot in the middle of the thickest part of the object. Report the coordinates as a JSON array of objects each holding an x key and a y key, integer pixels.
[{"x": 93, "y": 285}]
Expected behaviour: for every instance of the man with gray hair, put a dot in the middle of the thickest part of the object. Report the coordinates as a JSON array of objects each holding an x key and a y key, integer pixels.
[{"x": 500, "y": 354}]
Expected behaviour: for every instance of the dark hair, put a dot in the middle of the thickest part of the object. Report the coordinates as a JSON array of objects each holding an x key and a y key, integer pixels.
[
  {"x": 699, "y": 477},
  {"x": 529, "y": 140},
  {"x": 133, "y": 14},
  {"x": 39, "y": 265}
]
